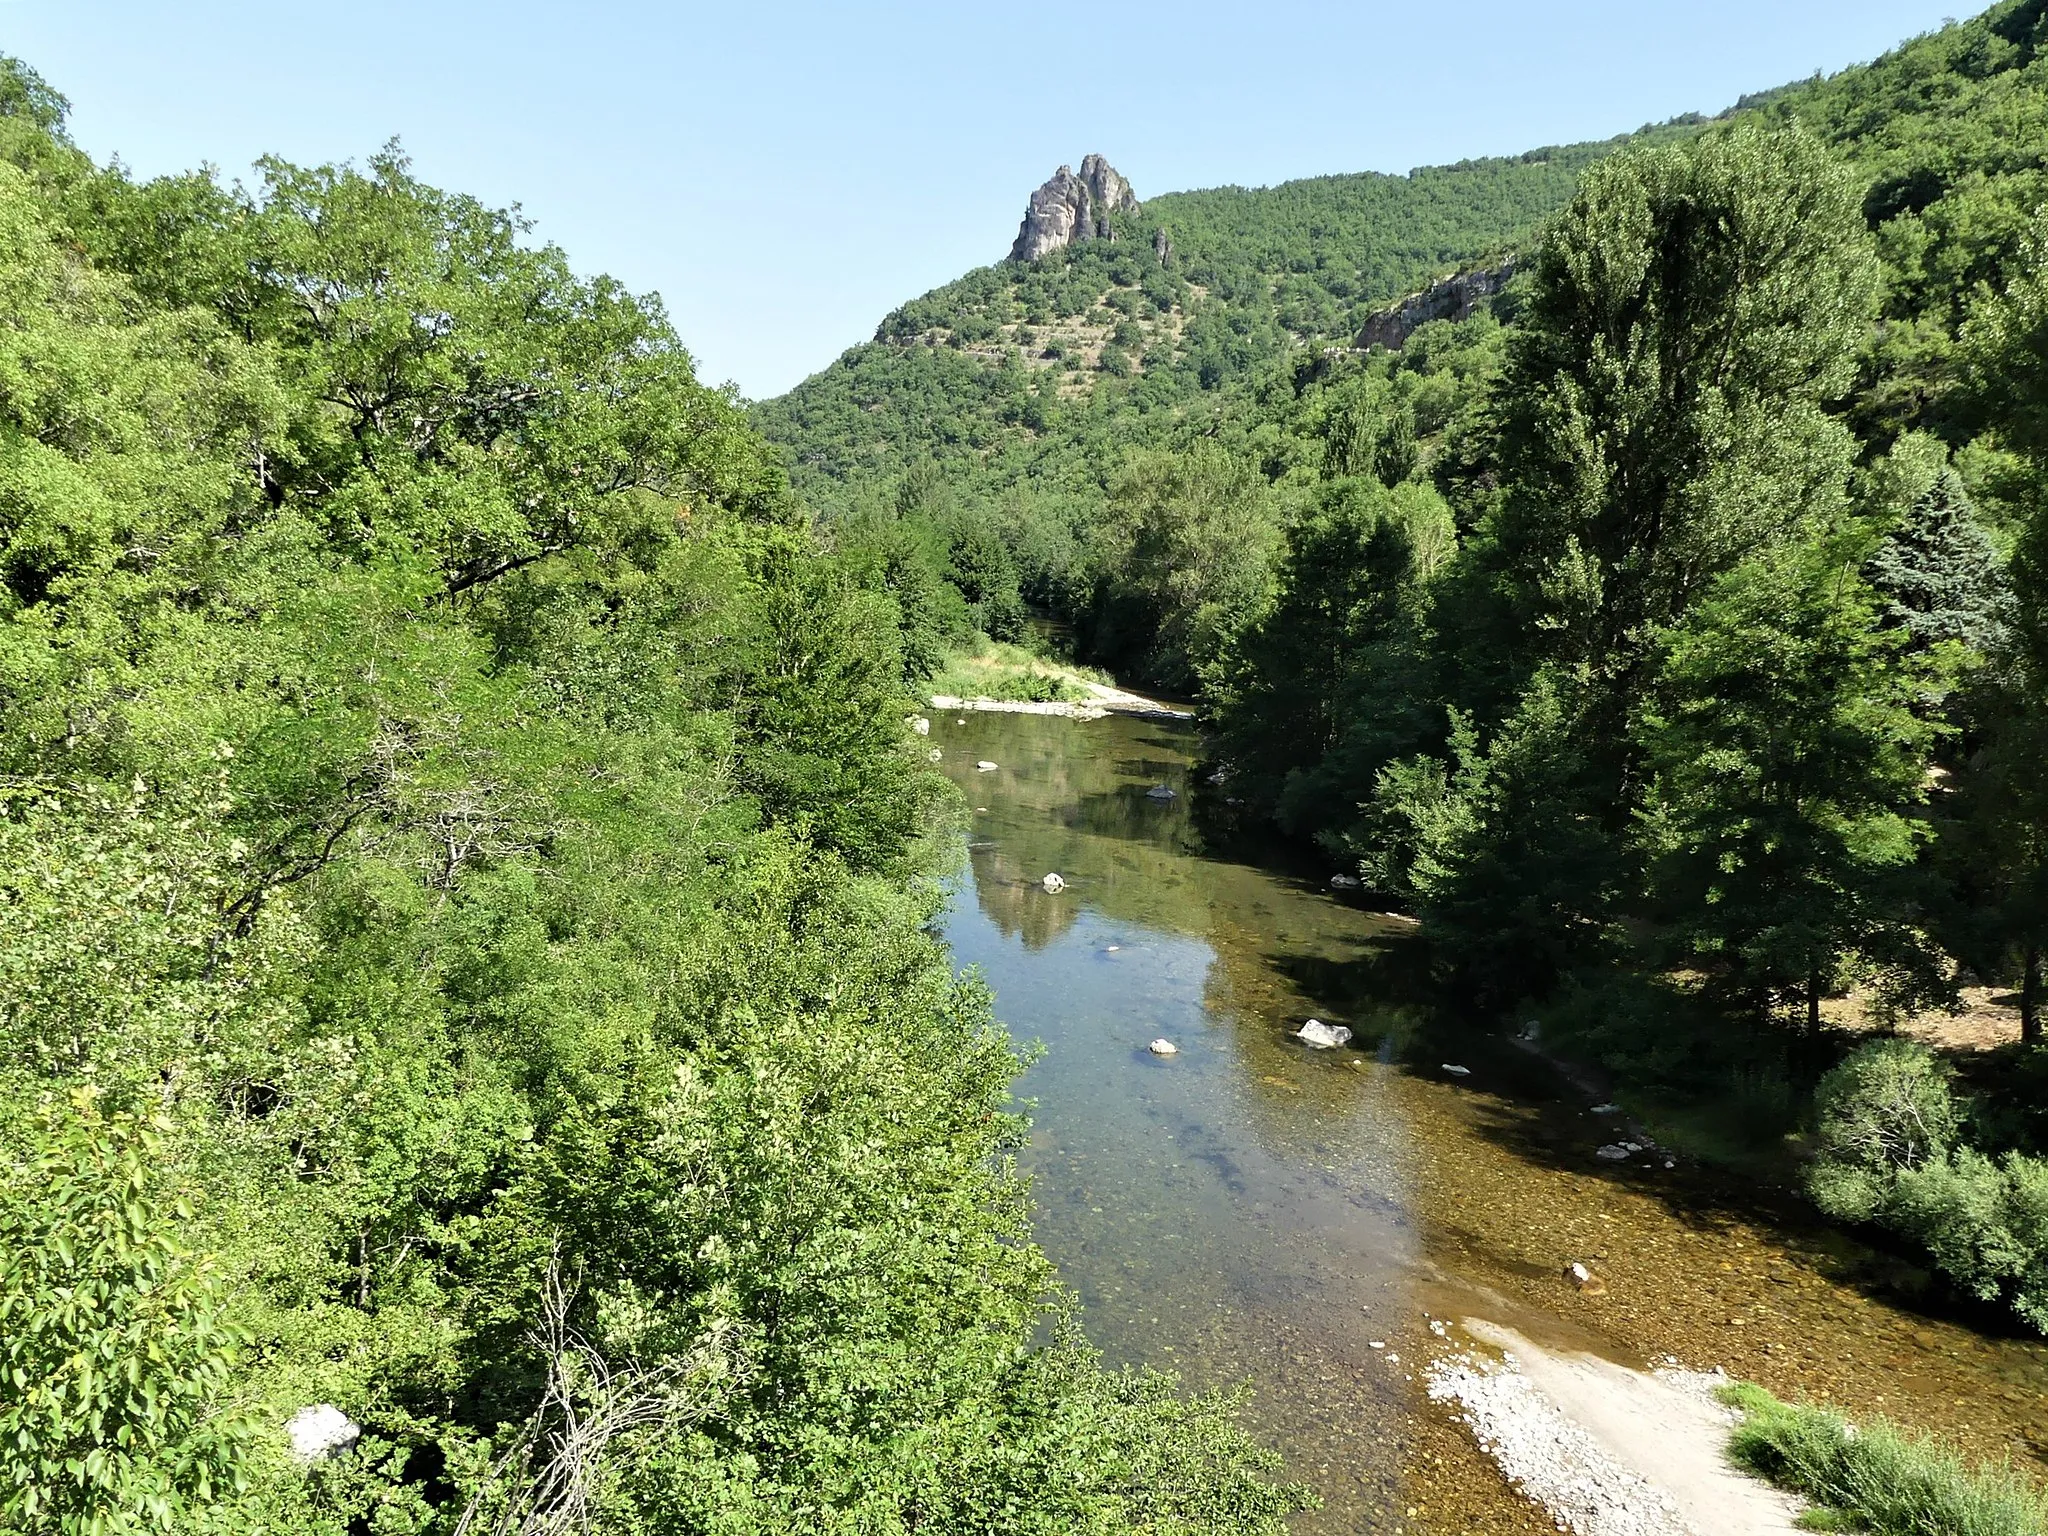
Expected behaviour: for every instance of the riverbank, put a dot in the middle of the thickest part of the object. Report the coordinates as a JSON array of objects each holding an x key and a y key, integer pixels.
[
  {"x": 1253, "y": 1211},
  {"x": 1607, "y": 1450},
  {"x": 997, "y": 678},
  {"x": 1108, "y": 701}
]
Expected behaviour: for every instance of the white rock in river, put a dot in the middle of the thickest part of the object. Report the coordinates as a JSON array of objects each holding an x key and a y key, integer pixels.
[
  {"x": 1163, "y": 1047},
  {"x": 1455, "y": 1070},
  {"x": 922, "y": 726},
  {"x": 985, "y": 766},
  {"x": 1345, "y": 882},
  {"x": 320, "y": 1431},
  {"x": 1323, "y": 1037},
  {"x": 1613, "y": 1152},
  {"x": 1160, "y": 792},
  {"x": 1054, "y": 883},
  {"x": 1606, "y": 1109}
]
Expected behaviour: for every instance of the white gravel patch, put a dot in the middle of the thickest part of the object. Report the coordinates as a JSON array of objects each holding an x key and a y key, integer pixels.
[{"x": 1552, "y": 1459}]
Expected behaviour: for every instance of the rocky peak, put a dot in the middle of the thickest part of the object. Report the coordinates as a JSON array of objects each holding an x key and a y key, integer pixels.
[{"x": 1072, "y": 208}]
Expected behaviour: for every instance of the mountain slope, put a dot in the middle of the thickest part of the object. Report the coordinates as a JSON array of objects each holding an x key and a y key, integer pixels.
[{"x": 1197, "y": 289}]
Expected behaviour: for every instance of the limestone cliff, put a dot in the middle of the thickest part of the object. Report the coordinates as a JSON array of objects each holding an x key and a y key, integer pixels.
[
  {"x": 1455, "y": 298},
  {"x": 1072, "y": 208}
]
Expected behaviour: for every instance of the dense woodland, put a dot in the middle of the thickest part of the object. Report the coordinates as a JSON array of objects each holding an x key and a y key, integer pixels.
[
  {"x": 466, "y": 880},
  {"x": 1672, "y": 638},
  {"x": 464, "y": 902}
]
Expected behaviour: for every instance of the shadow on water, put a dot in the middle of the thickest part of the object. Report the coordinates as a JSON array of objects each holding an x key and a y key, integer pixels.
[{"x": 1251, "y": 1209}]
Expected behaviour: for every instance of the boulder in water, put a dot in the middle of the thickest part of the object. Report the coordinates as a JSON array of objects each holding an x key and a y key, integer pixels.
[
  {"x": 985, "y": 766},
  {"x": 1613, "y": 1152},
  {"x": 922, "y": 726},
  {"x": 1054, "y": 883},
  {"x": 1345, "y": 883},
  {"x": 1323, "y": 1037},
  {"x": 1163, "y": 1047},
  {"x": 1455, "y": 1070},
  {"x": 1160, "y": 792}
]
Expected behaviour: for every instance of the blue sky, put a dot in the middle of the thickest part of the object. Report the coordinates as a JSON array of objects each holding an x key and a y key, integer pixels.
[{"x": 784, "y": 174}]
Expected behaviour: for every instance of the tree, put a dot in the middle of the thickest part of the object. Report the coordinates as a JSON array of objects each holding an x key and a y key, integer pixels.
[
  {"x": 2005, "y": 347},
  {"x": 1937, "y": 569},
  {"x": 114, "y": 1343},
  {"x": 1200, "y": 534},
  {"x": 1662, "y": 412},
  {"x": 1786, "y": 765},
  {"x": 1321, "y": 688}
]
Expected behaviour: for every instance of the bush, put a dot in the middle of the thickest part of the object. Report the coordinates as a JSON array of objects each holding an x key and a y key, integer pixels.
[
  {"x": 1888, "y": 1133},
  {"x": 1874, "y": 1478},
  {"x": 1886, "y": 1108}
]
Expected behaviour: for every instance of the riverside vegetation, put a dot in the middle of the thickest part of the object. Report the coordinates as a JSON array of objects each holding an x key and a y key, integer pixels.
[
  {"x": 1669, "y": 634},
  {"x": 463, "y": 924}
]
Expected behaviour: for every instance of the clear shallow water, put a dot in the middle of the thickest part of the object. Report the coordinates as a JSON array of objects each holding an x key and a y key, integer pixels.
[{"x": 1251, "y": 1210}]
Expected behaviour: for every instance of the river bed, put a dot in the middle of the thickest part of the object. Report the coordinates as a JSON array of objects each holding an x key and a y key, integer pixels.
[{"x": 1249, "y": 1210}]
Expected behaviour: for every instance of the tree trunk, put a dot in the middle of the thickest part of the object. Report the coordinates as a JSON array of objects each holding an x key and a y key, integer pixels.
[
  {"x": 2030, "y": 996},
  {"x": 1813, "y": 1003}
]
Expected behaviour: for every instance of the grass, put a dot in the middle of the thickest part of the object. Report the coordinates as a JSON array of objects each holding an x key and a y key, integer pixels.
[
  {"x": 1874, "y": 1477},
  {"x": 995, "y": 670}
]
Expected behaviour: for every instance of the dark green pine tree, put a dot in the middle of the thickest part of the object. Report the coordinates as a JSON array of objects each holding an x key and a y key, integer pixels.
[{"x": 1939, "y": 572}]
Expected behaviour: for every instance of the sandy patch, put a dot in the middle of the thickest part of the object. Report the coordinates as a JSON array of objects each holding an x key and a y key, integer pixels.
[{"x": 1607, "y": 1450}]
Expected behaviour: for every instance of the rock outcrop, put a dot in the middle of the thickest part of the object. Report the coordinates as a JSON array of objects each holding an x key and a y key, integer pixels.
[
  {"x": 1071, "y": 208},
  {"x": 1455, "y": 298}
]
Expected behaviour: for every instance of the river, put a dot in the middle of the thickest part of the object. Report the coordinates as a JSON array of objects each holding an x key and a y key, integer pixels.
[{"x": 1251, "y": 1211}]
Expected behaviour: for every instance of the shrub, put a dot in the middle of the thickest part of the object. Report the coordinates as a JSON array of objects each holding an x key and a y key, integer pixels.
[
  {"x": 1886, "y": 1108},
  {"x": 1874, "y": 1478},
  {"x": 1888, "y": 1133}
]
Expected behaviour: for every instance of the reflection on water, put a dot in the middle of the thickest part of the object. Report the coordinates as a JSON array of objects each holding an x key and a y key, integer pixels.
[
  {"x": 1239, "y": 1210},
  {"x": 1251, "y": 1210}
]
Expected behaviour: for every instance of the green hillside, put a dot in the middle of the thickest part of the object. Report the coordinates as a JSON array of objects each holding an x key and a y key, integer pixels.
[
  {"x": 1006, "y": 370},
  {"x": 1670, "y": 635}
]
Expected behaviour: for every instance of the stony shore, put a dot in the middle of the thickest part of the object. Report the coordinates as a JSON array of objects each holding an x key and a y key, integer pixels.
[{"x": 1104, "y": 700}]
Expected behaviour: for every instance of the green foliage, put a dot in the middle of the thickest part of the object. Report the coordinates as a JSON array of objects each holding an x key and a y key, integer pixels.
[
  {"x": 1198, "y": 541},
  {"x": 1887, "y": 1108},
  {"x": 1938, "y": 569},
  {"x": 1890, "y": 1151},
  {"x": 1785, "y": 759},
  {"x": 113, "y": 1343},
  {"x": 1661, "y": 415},
  {"x": 1336, "y": 653},
  {"x": 1872, "y": 1477},
  {"x": 458, "y": 828}
]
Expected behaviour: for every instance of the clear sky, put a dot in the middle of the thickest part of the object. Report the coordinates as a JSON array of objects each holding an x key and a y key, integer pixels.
[{"x": 785, "y": 173}]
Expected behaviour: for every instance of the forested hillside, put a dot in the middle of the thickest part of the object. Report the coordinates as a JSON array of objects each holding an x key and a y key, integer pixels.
[
  {"x": 1016, "y": 368},
  {"x": 464, "y": 964},
  {"x": 1668, "y": 637}
]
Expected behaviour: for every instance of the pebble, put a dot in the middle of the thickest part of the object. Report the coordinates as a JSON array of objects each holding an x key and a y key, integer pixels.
[{"x": 1555, "y": 1462}]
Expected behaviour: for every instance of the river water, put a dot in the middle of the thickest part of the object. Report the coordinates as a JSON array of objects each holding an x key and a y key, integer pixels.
[{"x": 1251, "y": 1211}]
